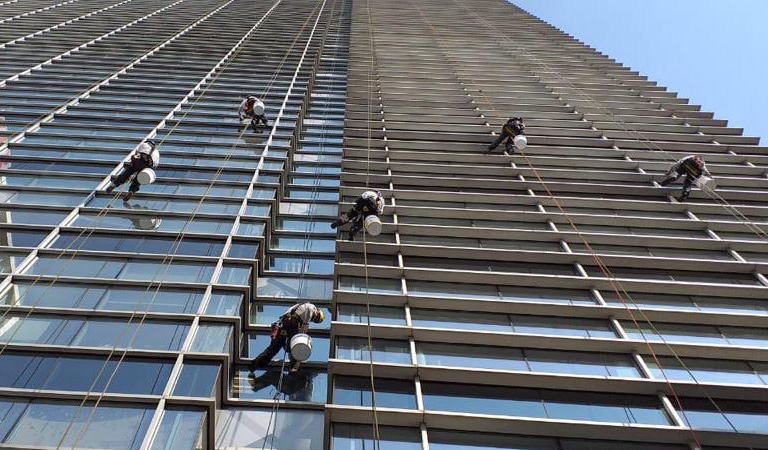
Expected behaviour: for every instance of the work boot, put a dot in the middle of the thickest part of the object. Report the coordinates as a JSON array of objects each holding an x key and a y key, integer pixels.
[
  {"x": 111, "y": 187},
  {"x": 665, "y": 181},
  {"x": 683, "y": 197},
  {"x": 340, "y": 221},
  {"x": 128, "y": 196},
  {"x": 488, "y": 150}
]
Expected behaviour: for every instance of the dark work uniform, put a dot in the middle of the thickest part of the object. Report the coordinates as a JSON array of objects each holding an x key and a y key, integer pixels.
[
  {"x": 140, "y": 160},
  {"x": 512, "y": 128},
  {"x": 367, "y": 204},
  {"x": 289, "y": 325},
  {"x": 689, "y": 166}
]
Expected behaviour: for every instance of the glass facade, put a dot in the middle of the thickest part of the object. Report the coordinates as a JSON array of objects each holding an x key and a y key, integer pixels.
[{"x": 556, "y": 299}]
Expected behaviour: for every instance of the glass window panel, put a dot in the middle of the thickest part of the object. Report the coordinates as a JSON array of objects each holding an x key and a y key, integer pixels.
[
  {"x": 457, "y": 440},
  {"x": 237, "y": 275},
  {"x": 384, "y": 315},
  {"x": 375, "y": 285},
  {"x": 435, "y": 318},
  {"x": 305, "y": 385},
  {"x": 384, "y": 350},
  {"x": 242, "y": 249},
  {"x": 43, "y": 424},
  {"x": 705, "y": 370},
  {"x": 115, "y": 298},
  {"x": 298, "y": 288},
  {"x": 562, "y": 326},
  {"x": 482, "y": 357},
  {"x": 181, "y": 429},
  {"x": 479, "y": 399},
  {"x": 78, "y": 373},
  {"x": 197, "y": 379},
  {"x": 360, "y": 437},
  {"x": 356, "y": 391},
  {"x": 224, "y": 303},
  {"x": 212, "y": 338}
]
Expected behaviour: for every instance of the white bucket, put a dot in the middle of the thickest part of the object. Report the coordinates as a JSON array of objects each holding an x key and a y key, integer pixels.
[
  {"x": 520, "y": 142},
  {"x": 373, "y": 225},
  {"x": 258, "y": 108},
  {"x": 146, "y": 176},
  {"x": 301, "y": 347},
  {"x": 706, "y": 183}
]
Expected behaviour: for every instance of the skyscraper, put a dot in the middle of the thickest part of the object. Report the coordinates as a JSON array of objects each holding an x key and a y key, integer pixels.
[{"x": 550, "y": 298}]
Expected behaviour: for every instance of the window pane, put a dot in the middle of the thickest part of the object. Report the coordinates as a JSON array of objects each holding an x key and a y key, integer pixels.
[
  {"x": 305, "y": 385},
  {"x": 180, "y": 429},
  {"x": 197, "y": 379},
  {"x": 356, "y": 391},
  {"x": 360, "y": 437},
  {"x": 43, "y": 424}
]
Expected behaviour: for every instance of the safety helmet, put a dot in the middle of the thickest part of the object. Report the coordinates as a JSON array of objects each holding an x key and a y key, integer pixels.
[{"x": 319, "y": 317}]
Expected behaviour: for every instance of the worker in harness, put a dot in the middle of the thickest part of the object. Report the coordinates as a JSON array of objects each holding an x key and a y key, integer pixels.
[
  {"x": 692, "y": 167},
  {"x": 146, "y": 157},
  {"x": 253, "y": 108},
  {"x": 368, "y": 203},
  {"x": 296, "y": 320},
  {"x": 512, "y": 128}
]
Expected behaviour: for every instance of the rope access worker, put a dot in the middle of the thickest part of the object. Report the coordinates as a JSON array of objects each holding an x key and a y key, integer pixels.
[
  {"x": 253, "y": 108},
  {"x": 295, "y": 320},
  {"x": 146, "y": 157},
  {"x": 368, "y": 203},
  {"x": 692, "y": 167},
  {"x": 512, "y": 128}
]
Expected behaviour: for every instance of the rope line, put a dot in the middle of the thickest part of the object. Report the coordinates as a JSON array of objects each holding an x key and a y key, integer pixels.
[
  {"x": 615, "y": 284},
  {"x": 170, "y": 261}
]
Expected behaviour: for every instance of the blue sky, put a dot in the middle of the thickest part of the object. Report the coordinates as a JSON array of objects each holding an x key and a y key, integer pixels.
[{"x": 714, "y": 53}]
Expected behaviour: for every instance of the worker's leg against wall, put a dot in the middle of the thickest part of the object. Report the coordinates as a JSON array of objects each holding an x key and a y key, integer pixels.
[
  {"x": 275, "y": 345},
  {"x": 128, "y": 170},
  {"x": 687, "y": 185},
  {"x": 496, "y": 142}
]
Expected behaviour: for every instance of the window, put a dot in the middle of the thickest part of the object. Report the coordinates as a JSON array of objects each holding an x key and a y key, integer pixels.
[
  {"x": 138, "y": 244},
  {"x": 356, "y": 391},
  {"x": 729, "y": 415},
  {"x": 78, "y": 373},
  {"x": 43, "y": 423},
  {"x": 93, "y": 332},
  {"x": 383, "y": 315},
  {"x": 224, "y": 303},
  {"x": 197, "y": 379},
  {"x": 699, "y": 334},
  {"x": 590, "y": 406},
  {"x": 114, "y": 298},
  {"x": 306, "y": 385},
  {"x": 374, "y": 285},
  {"x": 458, "y": 440},
  {"x": 708, "y": 370},
  {"x": 181, "y": 428},
  {"x": 384, "y": 350},
  {"x": 212, "y": 338},
  {"x": 294, "y": 288},
  {"x": 517, "y": 359},
  {"x": 358, "y": 437},
  {"x": 122, "y": 269}
]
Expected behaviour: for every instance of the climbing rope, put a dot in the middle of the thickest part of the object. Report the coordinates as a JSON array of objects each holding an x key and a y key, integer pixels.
[
  {"x": 172, "y": 254},
  {"x": 616, "y": 119},
  {"x": 615, "y": 284}
]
